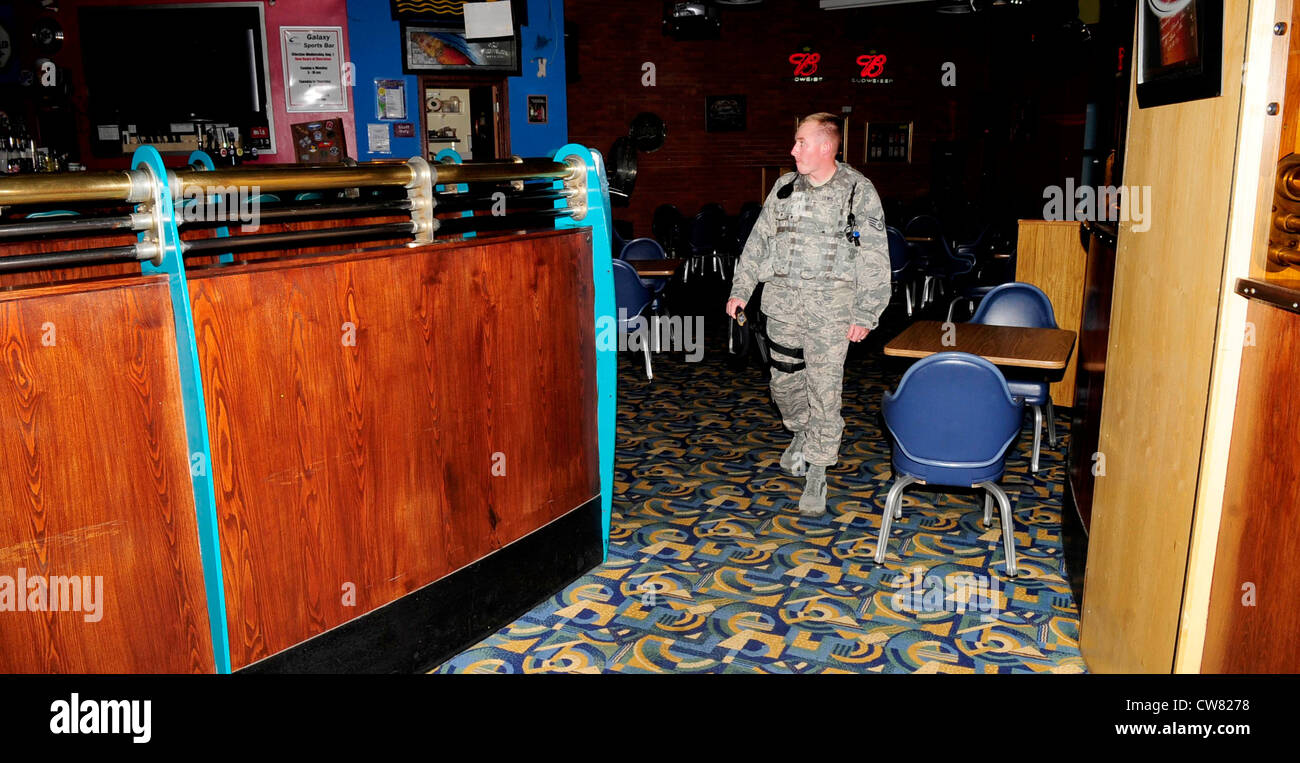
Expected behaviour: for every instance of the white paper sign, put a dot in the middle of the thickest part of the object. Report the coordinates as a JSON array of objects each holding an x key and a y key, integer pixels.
[
  {"x": 378, "y": 135},
  {"x": 313, "y": 68},
  {"x": 488, "y": 20}
]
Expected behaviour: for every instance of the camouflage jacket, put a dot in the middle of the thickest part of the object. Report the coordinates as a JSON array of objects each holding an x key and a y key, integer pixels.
[{"x": 799, "y": 242}]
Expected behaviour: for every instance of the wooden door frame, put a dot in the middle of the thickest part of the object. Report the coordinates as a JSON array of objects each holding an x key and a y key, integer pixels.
[{"x": 501, "y": 91}]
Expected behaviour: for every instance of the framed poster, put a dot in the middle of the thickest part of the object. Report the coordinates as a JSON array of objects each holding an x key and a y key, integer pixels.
[
  {"x": 889, "y": 142},
  {"x": 537, "y": 109},
  {"x": 445, "y": 49},
  {"x": 448, "y": 12},
  {"x": 1179, "y": 51},
  {"x": 313, "y": 68},
  {"x": 724, "y": 113}
]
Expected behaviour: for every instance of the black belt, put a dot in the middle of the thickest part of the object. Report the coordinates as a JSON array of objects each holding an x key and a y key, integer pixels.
[{"x": 791, "y": 352}]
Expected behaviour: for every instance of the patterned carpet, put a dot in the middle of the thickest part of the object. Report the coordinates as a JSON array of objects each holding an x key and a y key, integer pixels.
[{"x": 712, "y": 570}]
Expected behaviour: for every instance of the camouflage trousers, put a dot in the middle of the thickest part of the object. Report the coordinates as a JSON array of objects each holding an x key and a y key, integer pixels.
[{"x": 817, "y": 321}]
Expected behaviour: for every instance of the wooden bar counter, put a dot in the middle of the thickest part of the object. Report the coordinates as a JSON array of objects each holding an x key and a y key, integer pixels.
[{"x": 404, "y": 455}]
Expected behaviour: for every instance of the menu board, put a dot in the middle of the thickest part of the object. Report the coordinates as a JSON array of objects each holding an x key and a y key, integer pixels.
[{"x": 313, "y": 68}]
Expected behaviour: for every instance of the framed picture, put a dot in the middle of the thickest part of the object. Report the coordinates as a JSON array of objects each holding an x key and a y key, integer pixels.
[
  {"x": 1179, "y": 51},
  {"x": 537, "y": 109},
  {"x": 724, "y": 113},
  {"x": 428, "y": 48},
  {"x": 889, "y": 142},
  {"x": 449, "y": 12}
]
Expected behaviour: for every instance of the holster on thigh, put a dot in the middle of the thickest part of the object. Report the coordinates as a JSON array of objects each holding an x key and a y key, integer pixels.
[{"x": 790, "y": 352}]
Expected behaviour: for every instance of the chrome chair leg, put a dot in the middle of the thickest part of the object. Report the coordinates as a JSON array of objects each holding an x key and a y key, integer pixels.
[
  {"x": 952, "y": 307},
  {"x": 988, "y": 509},
  {"x": 893, "y": 509},
  {"x": 1051, "y": 422},
  {"x": 649, "y": 374},
  {"x": 907, "y": 295},
  {"x": 1038, "y": 437},
  {"x": 1008, "y": 525}
]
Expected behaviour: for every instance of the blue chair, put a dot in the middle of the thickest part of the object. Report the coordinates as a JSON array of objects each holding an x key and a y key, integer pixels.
[
  {"x": 669, "y": 228},
  {"x": 309, "y": 196},
  {"x": 647, "y": 249},
  {"x": 617, "y": 243},
  {"x": 1022, "y": 304},
  {"x": 53, "y": 213},
  {"x": 952, "y": 421},
  {"x": 901, "y": 265},
  {"x": 631, "y": 297},
  {"x": 708, "y": 231},
  {"x": 938, "y": 263}
]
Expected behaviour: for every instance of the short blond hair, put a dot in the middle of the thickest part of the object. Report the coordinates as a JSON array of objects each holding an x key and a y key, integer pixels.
[{"x": 829, "y": 123}]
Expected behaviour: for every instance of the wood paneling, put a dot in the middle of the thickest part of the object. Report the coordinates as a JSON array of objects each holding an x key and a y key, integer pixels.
[
  {"x": 370, "y": 466},
  {"x": 96, "y": 480},
  {"x": 1290, "y": 140},
  {"x": 1168, "y": 283},
  {"x": 1050, "y": 256},
  {"x": 1257, "y": 544}
]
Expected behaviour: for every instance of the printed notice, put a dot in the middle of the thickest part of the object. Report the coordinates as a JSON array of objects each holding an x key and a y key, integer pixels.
[
  {"x": 378, "y": 135},
  {"x": 313, "y": 68}
]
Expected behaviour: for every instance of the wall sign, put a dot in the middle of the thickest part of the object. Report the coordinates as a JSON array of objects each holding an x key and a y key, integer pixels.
[
  {"x": 805, "y": 66},
  {"x": 1179, "y": 51},
  {"x": 390, "y": 99},
  {"x": 871, "y": 70},
  {"x": 313, "y": 68}
]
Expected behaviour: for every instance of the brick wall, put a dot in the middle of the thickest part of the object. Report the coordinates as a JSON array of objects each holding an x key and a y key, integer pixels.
[{"x": 1013, "y": 143}]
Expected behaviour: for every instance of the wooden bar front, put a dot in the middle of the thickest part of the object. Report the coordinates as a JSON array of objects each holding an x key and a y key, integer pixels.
[
  {"x": 383, "y": 418},
  {"x": 95, "y": 484}
]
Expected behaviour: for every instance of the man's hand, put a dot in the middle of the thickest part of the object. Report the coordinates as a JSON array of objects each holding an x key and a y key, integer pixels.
[
  {"x": 857, "y": 333},
  {"x": 735, "y": 305}
]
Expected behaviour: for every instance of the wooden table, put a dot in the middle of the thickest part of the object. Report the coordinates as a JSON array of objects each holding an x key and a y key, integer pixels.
[
  {"x": 919, "y": 239},
  {"x": 1001, "y": 345},
  {"x": 655, "y": 268}
]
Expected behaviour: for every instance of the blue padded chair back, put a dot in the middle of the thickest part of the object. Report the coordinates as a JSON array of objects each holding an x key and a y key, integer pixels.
[
  {"x": 629, "y": 293},
  {"x": 667, "y": 218},
  {"x": 898, "y": 255},
  {"x": 745, "y": 224},
  {"x": 707, "y": 228},
  {"x": 953, "y": 413},
  {"x": 1016, "y": 304},
  {"x": 643, "y": 249}
]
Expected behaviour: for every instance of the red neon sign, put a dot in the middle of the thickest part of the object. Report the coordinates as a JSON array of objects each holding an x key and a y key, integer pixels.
[
  {"x": 872, "y": 65},
  {"x": 805, "y": 64}
]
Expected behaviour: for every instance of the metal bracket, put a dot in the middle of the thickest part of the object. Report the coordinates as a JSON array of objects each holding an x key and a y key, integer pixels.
[{"x": 420, "y": 193}]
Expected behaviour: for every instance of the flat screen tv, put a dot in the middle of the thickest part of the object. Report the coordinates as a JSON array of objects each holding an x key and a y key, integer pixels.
[{"x": 159, "y": 65}]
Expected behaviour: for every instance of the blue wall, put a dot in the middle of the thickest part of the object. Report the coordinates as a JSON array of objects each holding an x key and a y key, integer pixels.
[{"x": 375, "y": 47}]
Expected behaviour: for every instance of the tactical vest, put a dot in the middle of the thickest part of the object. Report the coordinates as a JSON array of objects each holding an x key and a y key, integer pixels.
[{"x": 809, "y": 244}]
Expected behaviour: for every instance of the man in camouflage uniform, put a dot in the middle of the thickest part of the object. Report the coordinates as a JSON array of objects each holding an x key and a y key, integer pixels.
[{"x": 820, "y": 246}]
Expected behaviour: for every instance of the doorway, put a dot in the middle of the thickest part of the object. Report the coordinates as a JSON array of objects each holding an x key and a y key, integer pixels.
[{"x": 466, "y": 114}]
